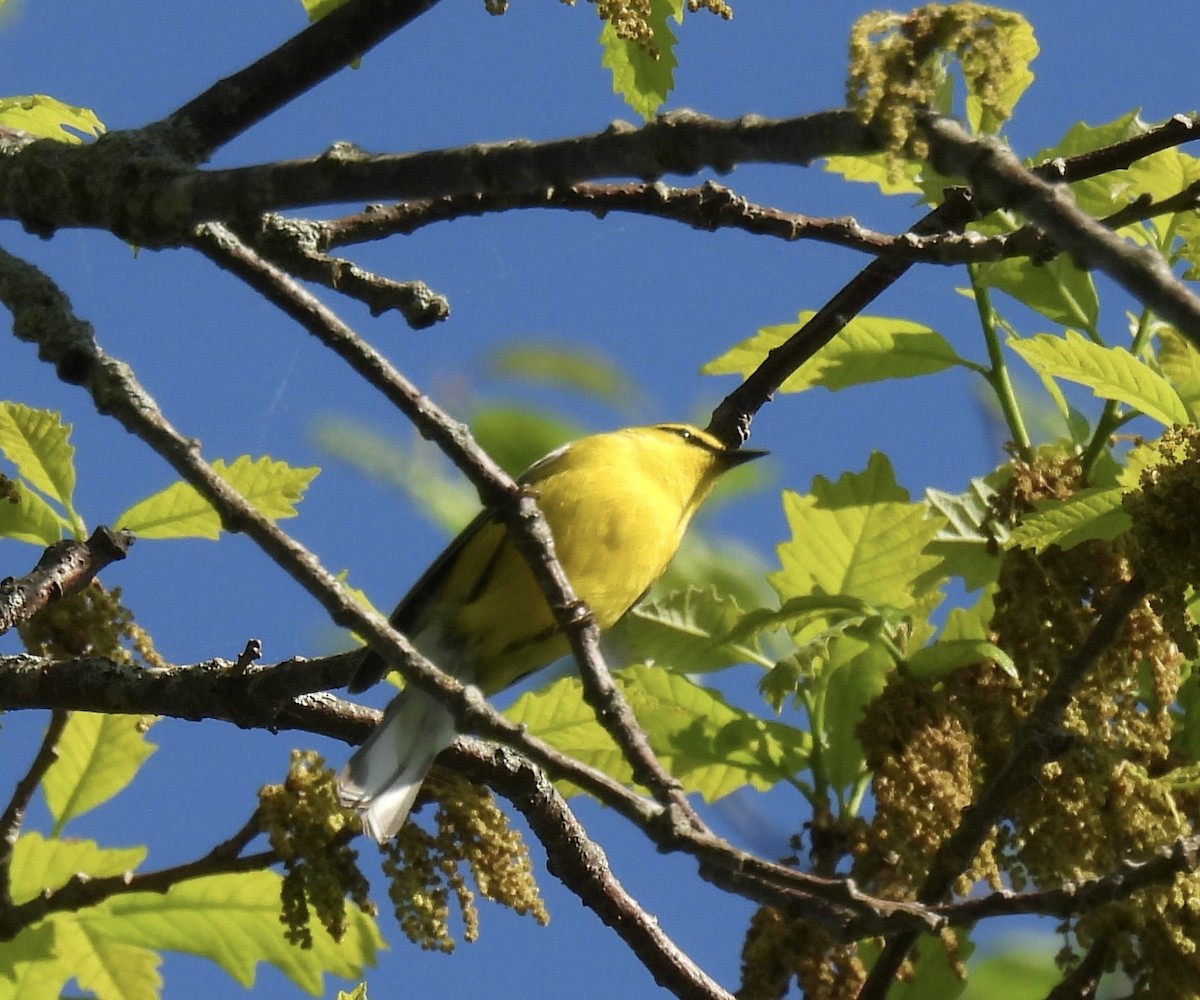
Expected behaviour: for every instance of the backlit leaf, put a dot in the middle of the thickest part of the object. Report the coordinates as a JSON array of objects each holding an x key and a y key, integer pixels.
[
  {"x": 179, "y": 511},
  {"x": 868, "y": 349},
  {"x": 98, "y": 755},
  {"x": 1090, "y": 513},
  {"x": 48, "y": 118},
  {"x": 38, "y": 443},
  {"x": 643, "y": 77},
  {"x": 1110, "y": 372},
  {"x": 712, "y": 747},
  {"x": 233, "y": 920}
]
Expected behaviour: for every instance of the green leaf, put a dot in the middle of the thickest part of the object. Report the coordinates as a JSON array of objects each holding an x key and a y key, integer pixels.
[
  {"x": 935, "y": 974},
  {"x": 684, "y": 631},
  {"x": 858, "y": 537},
  {"x": 1090, "y": 513},
  {"x": 38, "y": 443},
  {"x": 29, "y": 518},
  {"x": 179, "y": 511},
  {"x": 41, "y": 864},
  {"x": 233, "y": 920},
  {"x": 1110, "y": 372},
  {"x": 1021, "y": 973},
  {"x": 1004, "y": 88},
  {"x": 855, "y": 676},
  {"x": 516, "y": 438},
  {"x": 1180, "y": 362},
  {"x": 105, "y": 967},
  {"x": 712, "y": 747},
  {"x": 98, "y": 755},
  {"x": 942, "y": 657},
  {"x": 317, "y": 9},
  {"x": 643, "y": 76},
  {"x": 1105, "y": 194},
  {"x": 877, "y": 169},
  {"x": 418, "y": 470},
  {"x": 1058, "y": 289},
  {"x": 48, "y": 118},
  {"x": 966, "y": 539},
  {"x": 576, "y": 369},
  {"x": 869, "y": 349},
  {"x": 31, "y": 966}
]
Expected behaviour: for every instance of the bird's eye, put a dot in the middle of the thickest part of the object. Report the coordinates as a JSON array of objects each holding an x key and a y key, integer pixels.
[{"x": 684, "y": 433}]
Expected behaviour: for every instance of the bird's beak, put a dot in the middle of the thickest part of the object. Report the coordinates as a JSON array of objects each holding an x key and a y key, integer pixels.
[{"x": 743, "y": 455}]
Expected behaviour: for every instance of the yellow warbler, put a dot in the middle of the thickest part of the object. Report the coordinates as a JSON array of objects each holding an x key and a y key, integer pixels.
[{"x": 617, "y": 505}]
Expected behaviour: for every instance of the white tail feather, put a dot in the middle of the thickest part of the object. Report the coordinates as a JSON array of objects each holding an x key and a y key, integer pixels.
[{"x": 383, "y": 777}]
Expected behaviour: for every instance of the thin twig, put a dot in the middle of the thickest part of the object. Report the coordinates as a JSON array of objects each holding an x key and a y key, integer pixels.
[
  {"x": 23, "y": 792},
  {"x": 1034, "y": 743},
  {"x": 81, "y": 891},
  {"x": 229, "y": 107},
  {"x": 580, "y": 864},
  {"x": 64, "y": 568},
  {"x": 999, "y": 179},
  {"x": 528, "y": 528}
]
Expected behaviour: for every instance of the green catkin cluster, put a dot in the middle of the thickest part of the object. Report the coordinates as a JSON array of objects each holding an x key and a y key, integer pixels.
[
  {"x": 91, "y": 622},
  {"x": 426, "y": 869},
  {"x": 631, "y": 19},
  {"x": 310, "y": 832},
  {"x": 8, "y": 490},
  {"x": 777, "y": 949},
  {"x": 1166, "y": 531},
  {"x": 897, "y": 62},
  {"x": 1109, "y": 793}
]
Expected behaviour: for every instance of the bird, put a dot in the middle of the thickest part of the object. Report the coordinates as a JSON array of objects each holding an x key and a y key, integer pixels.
[{"x": 617, "y": 505}]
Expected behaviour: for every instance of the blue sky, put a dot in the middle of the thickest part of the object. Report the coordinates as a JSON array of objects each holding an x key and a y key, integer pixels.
[{"x": 657, "y": 298}]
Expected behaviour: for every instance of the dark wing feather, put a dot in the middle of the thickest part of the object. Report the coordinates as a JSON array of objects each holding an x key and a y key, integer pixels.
[{"x": 409, "y": 613}]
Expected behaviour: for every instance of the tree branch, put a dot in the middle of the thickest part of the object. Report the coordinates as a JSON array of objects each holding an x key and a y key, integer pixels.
[
  {"x": 208, "y": 121},
  {"x": 82, "y": 891},
  {"x": 999, "y": 180},
  {"x": 14, "y": 812},
  {"x": 528, "y": 528},
  {"x": 580, "y": 864},
  {"x": 1036, "y": 741},
  {"x": 65, "y": 568}
]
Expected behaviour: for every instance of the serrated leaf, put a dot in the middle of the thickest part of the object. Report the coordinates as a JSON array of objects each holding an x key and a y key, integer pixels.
[
  {"x": 1180, "y": 362},
  {"x": 1090, "y": 513},
  {"x": 105, "y": 967},
  {"x": 30, "y": 965},
  {"x": 40, "y": 863},
  {"x": 1004, "y": 88},
  {"x": 98, "y": 755},
  {"x": 1058, "y": 289},
  {"x": 857, "y": 537},
  {"x": 942, "y": 657},
  {"x": 38, "y": 443},
  {"x": 274, "y": 488},
  {"x": 966, "y": 540},
  {"x": 877, "y": 169},
  {"x": 1110, "y": 372},
  {"x": 643, "y": 76},
  {"x": 972, "y": 622},
  {"x": 868, "y": 349},
  {"x": 29, "y": 518},
  {"x": 712, "y": 747},
  {"x": 684, "y": 631},
  {"x": 48, "y": 118},
  {"x": 854, "y": 677},
  {"x": 233, "y": 920}
]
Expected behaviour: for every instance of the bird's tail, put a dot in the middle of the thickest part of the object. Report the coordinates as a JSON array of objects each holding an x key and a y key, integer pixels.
[{"x": 383, "y": 777}]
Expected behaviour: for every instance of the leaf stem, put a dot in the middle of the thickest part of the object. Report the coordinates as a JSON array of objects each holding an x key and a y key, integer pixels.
[{"x": 997, "y": 374}]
